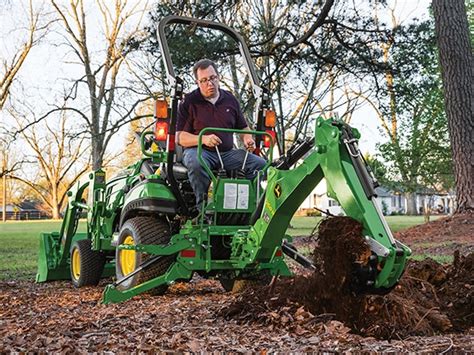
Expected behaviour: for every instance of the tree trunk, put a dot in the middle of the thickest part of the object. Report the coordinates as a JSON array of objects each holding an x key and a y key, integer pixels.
[
  {"x": 426, "y": 210},
  {"x": 55, "y": 212},
  {"x": 411, "y": 203},
  {"x": 97, "y": 154},
  {"x": 54, "y": 203},
  {"x": 4, "y": 200},
  {"x": 457, "y": 69}
]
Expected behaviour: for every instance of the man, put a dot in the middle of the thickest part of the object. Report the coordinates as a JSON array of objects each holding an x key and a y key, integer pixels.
[{"x": 210, "y": 106}]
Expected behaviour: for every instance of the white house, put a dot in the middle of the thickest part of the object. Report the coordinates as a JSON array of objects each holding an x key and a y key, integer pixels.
[
  {"x": 320, "y": 200},
  {"x": 388, "y": 201}
]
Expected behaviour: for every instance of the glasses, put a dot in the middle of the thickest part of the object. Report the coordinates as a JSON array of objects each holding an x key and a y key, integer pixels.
[{"x": 212, "y": 79}]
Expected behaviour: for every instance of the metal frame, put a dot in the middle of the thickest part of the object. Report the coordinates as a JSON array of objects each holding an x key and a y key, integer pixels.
[{"x": 244, "y": 51}]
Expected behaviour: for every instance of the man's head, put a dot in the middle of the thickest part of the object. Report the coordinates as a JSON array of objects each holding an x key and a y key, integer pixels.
[{"x": 207, "y": 78}]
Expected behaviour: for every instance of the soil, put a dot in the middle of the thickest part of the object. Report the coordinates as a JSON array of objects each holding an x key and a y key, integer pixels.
[
  {"x": 431, "y": 309},
  {"x": 442, "y": 236},
  {"x": 431, "y": 298}
]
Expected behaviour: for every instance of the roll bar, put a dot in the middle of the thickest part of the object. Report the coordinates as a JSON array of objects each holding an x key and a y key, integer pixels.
[{"x": 244, "y": 51}]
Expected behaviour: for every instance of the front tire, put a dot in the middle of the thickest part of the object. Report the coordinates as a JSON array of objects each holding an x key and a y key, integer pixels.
[
  {"x": 142, "y": 230},
  {"x": 87, "y": 265}
]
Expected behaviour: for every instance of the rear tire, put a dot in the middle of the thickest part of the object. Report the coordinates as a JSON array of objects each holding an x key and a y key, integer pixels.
[
  {"x": 142, "y": 230},
  {"x": 87, "y": 265}
]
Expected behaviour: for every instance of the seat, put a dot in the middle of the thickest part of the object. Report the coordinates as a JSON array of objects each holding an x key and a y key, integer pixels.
[
  {"x": 180, "y": 172},
  {"x": 149, "y": 168}
]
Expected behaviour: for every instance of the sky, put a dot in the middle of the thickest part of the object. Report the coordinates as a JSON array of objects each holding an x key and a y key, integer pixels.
[{"x": 45, "y": 68}]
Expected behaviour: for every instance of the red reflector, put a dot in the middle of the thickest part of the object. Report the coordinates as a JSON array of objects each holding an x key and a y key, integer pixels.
[
  {"x": 161, "y": 131},
  {"x": 267, "y": 140},
  {"x": 279, "y": 253},
  {"x": 191, "y": 253},
  {"x": 171, "y": 143}
]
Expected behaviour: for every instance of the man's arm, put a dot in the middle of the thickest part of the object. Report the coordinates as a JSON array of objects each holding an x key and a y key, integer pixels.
[
  {"x": 187, "y": 139},
  {"x": 247, "y": 139}
]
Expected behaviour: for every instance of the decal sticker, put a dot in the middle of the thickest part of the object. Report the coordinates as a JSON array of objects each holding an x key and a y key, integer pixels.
[{"x": 277, "y": 190}]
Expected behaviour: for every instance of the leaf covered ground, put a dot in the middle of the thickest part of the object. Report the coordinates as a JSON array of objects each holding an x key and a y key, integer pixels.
[
  {"x": 190, "y": 317},
  {"x": 430, "y": 310}
]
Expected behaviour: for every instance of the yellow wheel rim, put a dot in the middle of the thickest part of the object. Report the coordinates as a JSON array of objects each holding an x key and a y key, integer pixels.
[
  {"x": 127, "y": 257},
  {"x": 76, "y": 264}
]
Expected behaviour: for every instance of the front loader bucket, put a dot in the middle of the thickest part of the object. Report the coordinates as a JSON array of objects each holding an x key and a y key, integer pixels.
[{"x": 49, "y": 259}]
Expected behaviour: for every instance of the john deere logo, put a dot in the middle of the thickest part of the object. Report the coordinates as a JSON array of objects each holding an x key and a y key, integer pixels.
[{"x": 277, "y": 190}]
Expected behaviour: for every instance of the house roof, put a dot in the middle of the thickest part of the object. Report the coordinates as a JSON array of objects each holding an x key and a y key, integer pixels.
[
  {"x": 22, "y": 206},
  {"x": 28, "y": 206},
  {"x": 382, "y": 192}
]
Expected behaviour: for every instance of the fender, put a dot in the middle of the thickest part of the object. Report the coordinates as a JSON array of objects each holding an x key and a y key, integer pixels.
[{"x": 149, "y": 195}]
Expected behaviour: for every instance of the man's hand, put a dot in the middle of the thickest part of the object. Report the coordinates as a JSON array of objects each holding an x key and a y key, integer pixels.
[
  {"x": 211, "y": 140},
  {"x": 249, "y": 143}
]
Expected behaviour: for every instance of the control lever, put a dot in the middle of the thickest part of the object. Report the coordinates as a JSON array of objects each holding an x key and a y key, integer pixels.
[
  {"x": 241, "y": 171},
  {"x": 221, "y": 173}
]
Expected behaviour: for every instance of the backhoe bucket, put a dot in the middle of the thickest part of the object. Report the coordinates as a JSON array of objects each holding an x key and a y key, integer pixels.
[{"x": 49, "y": 259}]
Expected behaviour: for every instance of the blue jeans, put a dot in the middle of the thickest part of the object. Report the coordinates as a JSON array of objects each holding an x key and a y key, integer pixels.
[{"x": 232, "y": 159}]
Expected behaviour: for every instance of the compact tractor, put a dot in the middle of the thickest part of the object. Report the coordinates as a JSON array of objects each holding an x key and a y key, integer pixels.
[{"x": 143, "y": 227}]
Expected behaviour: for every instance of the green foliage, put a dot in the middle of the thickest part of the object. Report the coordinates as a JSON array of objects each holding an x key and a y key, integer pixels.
[
  {"x": 313, "y": 213},
  {"x": 379, "y": 170},
  {"x": 188, "y": 44},
  {"x": 419, "y": 155}
]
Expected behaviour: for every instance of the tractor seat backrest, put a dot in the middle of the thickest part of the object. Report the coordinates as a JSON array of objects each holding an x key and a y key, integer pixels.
[
  {"x": 178, "y": 153},
  {"x": 179, "y": 170},
  {"x": 150, "y": 168}
]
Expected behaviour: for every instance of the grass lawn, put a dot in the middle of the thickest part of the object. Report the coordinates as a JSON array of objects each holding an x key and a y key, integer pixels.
[{"x": 19, "y": 241}]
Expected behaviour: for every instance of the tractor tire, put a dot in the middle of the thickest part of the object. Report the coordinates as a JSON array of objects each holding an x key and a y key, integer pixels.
[
  {"x": 263, "y": 278},
  {"x": 87, "y": 265},
  {"x": 142, "y": 230}
]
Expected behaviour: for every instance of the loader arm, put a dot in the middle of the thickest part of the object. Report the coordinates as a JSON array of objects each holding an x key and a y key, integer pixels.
[
  {"x": 336, "y": 158},
  {"x": 53, "y": 259}
]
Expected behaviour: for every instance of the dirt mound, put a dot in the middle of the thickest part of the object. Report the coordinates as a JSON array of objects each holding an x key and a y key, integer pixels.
[
  {"x": 430, "y": 298},
  {"x": 339, "y": 247},
  {"x": 441, "y": 236},
  {"x": 455, "y": 226},
  {"x": 456, "y": 294}
]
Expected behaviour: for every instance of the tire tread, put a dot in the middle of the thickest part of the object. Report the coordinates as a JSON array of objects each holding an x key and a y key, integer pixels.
[{"x": 92, "y": 264}]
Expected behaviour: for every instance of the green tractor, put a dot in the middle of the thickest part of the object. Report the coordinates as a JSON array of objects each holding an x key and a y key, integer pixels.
[{"x": 142, "y": 225}]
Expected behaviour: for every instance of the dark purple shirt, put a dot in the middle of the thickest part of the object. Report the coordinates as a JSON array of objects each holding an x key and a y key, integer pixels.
[{"x": 196, "y": 113}]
